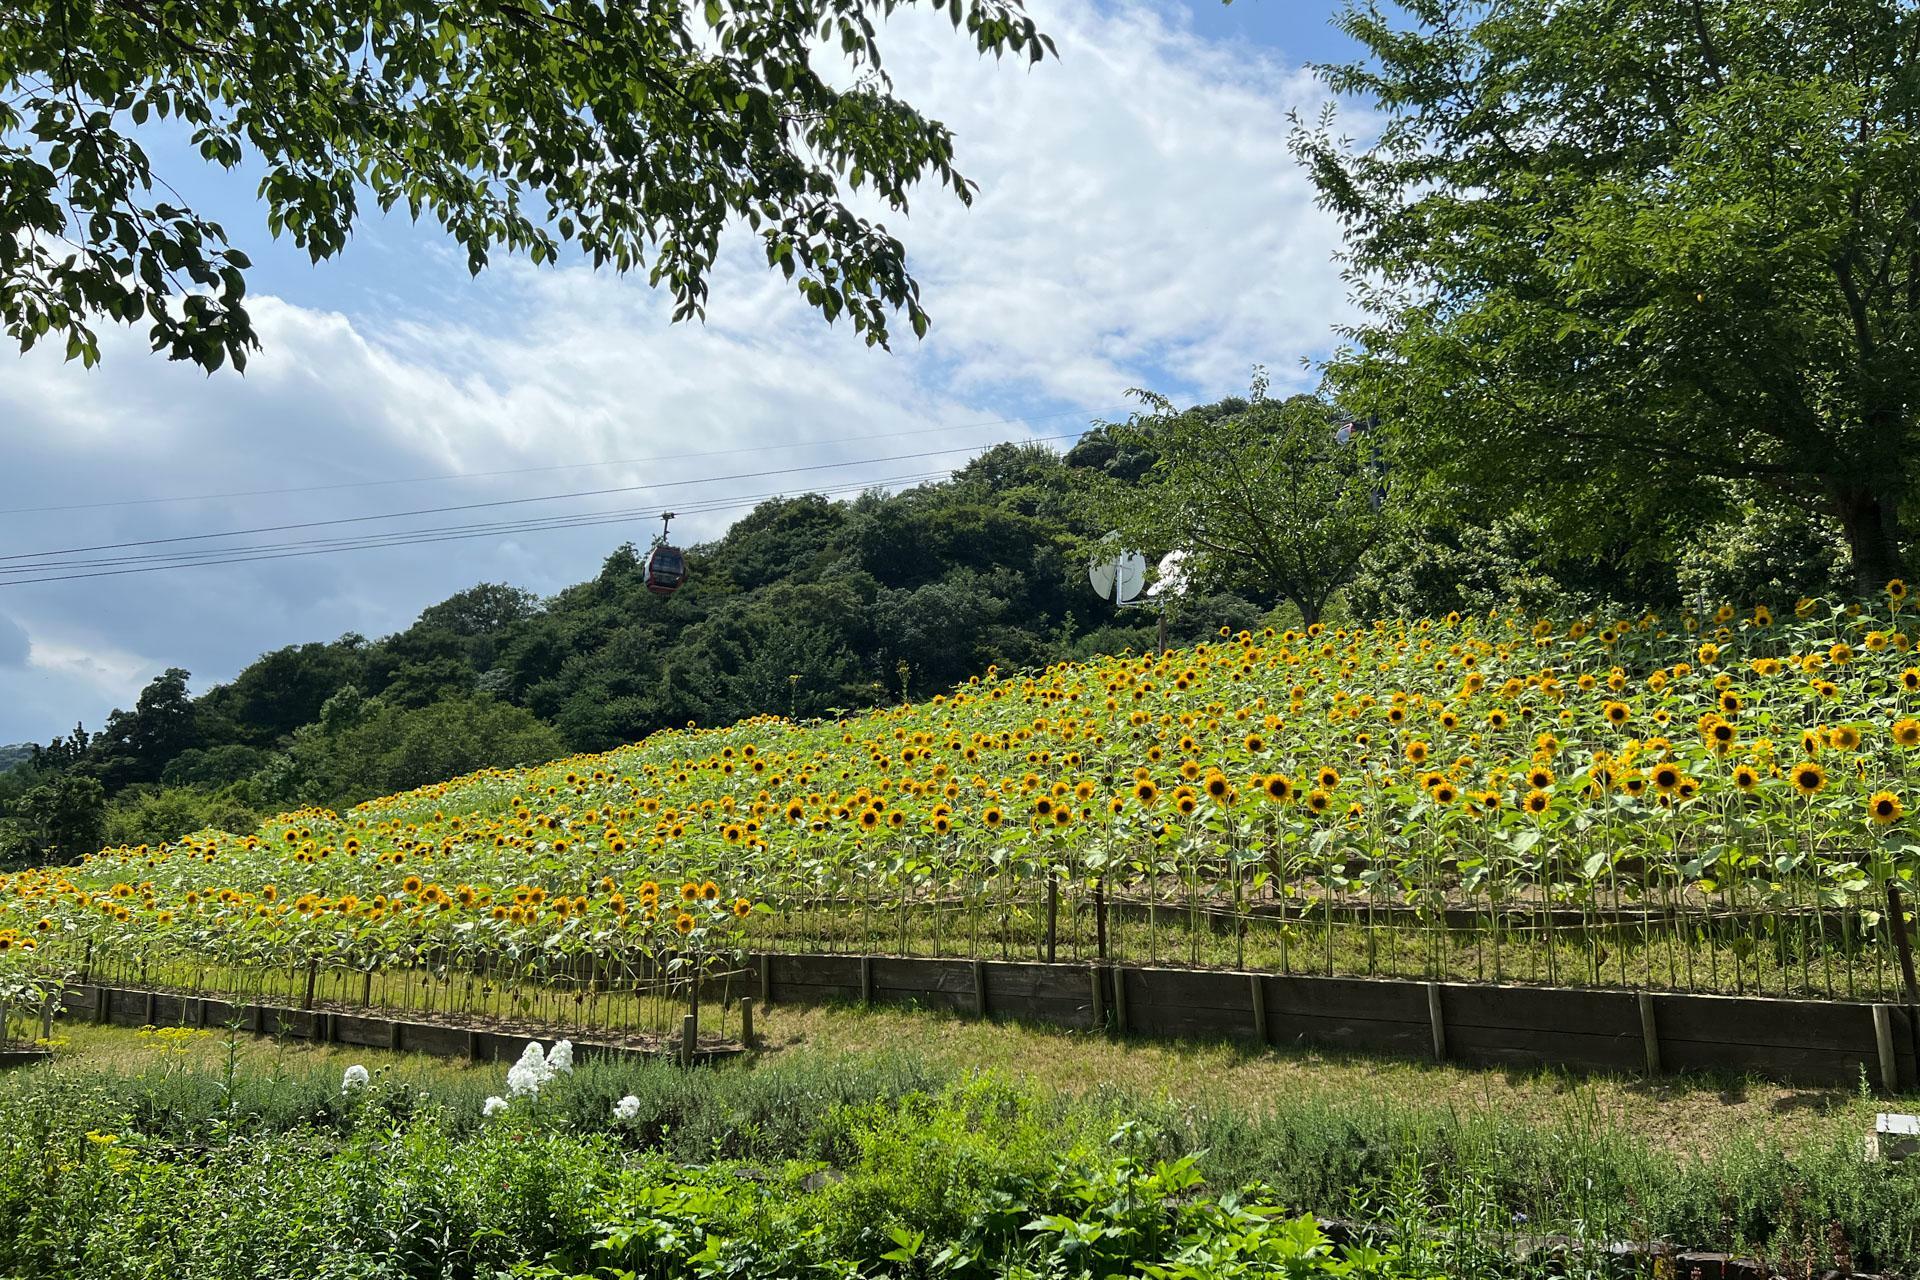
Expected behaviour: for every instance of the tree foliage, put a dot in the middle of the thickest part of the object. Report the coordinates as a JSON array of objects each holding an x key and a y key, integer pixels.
[
  {"x": 634, "y": 133},
  {"x": 1262, "y": 494},
  {"x": 1613, "y": 252}
]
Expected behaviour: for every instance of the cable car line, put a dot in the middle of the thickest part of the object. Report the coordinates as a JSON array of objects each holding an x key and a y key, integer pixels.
[
  {"x": 510, "y": 502},
  {"x": 400, "y": 537},
  {"x": 376, "y": 542},
  {"x": 517, "y": 471}
]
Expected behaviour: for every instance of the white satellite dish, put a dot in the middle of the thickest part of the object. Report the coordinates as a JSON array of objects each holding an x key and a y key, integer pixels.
[{"x": 1120, "y": 576}]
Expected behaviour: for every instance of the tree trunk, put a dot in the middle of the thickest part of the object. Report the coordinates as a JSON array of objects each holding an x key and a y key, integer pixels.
[{"x": 1872, "y": 527}]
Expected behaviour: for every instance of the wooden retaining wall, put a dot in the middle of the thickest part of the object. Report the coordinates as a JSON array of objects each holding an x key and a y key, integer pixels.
[
  {"x": 132, "y": 1007},
  {"x": 1799, "y": 1041}
]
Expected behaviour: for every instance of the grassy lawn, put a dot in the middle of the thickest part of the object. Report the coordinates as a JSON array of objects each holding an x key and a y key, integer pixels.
[
  {"x": 1683, "y": 1114},
  {"x": 1678, "y": 1113}
]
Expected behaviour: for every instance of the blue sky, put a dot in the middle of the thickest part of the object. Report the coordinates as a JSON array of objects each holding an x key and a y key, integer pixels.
[{"x": 1139, "y": 224}]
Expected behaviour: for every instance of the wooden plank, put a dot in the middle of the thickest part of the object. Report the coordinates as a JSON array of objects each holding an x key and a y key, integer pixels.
[
  {"x": 1587, "y": 1050},
  {"x": 952, "y": 1001},
  {"x": 816, "y": 971},
  {"x": 1051, "y": 1011},
  {"x": 1014, "y": 979},
  {"x": 1188, "y": 1021},
  {"x": 895, "y": 976},
  {"x": 1191, "y": 989},
  {"x": 442, "y": 1042},
  {"x": 1806, "y": 1024},
  {"x": 1795, "y": 1064},
  {"x": 1293, "y": 996},
  {"x": 1355, "y": 1035},
  {"x": 369, "y": 1033},
  {"x": 1541, "y": 1008}
]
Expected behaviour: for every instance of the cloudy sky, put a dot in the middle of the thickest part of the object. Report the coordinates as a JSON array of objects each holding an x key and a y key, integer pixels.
[{"x": 1139, "y": 223}]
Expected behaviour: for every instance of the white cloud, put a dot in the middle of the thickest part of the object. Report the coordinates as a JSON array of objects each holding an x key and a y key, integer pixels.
[{"x": 1140, "y": 222}]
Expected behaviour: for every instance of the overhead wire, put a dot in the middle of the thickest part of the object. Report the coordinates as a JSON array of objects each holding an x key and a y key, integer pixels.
[
  {"x": 509, "y": 502},
  {"x": 403, "y": 538},
  {"x": 451, "y": 477}
]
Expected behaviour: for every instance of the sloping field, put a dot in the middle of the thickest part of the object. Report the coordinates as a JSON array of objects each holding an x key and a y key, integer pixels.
[{"x": 1713, "y": 803}]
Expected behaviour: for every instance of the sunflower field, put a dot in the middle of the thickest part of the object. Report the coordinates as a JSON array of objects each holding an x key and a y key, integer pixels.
[{"x": 1716, "y": 803}]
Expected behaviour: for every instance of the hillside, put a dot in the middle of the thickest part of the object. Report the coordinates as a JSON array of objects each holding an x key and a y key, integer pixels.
[{"x": 1330, "y": 796}]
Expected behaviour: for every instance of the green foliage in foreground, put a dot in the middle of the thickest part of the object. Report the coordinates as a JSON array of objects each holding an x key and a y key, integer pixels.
[
  {"x": 866, "y": 1166},
  {"x": 635, "y": 133}
]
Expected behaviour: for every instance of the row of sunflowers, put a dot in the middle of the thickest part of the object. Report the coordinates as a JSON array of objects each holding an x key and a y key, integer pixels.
[{"x": 1747, "y": 767}]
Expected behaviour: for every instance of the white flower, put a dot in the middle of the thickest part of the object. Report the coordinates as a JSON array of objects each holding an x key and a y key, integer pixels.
[
  {"x": 493, "y": 1106},
  {"x": 355, "y": 1078},
  {"x": 523, "y": 1081},
  {"x": 560, "y": 1057},
  {"x": 626, "y": 1109}
]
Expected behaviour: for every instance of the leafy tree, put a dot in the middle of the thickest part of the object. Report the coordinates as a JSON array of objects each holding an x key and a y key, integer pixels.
[
  {"x": 136, "y": 745},
  {"x": 213, "y": 766},
  {"x": 1262, "y": 492},
  {"x": 62, "y": 819},
  {"x": 282, "y": 690},
  {"x": 1613, "y": 252},
  {"x": 156, "y": 815},
  {"x": 635, "y": 132},
  {"x": 373, "y": 749},
  {"x": 1770, "y": 552}
]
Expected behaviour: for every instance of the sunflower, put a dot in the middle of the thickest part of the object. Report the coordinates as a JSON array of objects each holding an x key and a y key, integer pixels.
[
  {"x": 1536, "y": 802},
  {"x": 1218, "y": 786},
  {"x": 683, "y": 924},
  {"x": 1666, "y": 776},
  {"x": 742, "y": 908},
  {"x": 1808, "y": 777},
  {"x": 1145, "y": 791},
  {"x": 1444, "y": 793},
  {"x": 1278, "y": 787},
  {"x": 1746, "y": 777},
  {"x": 992, "y": 817},
  {"x": 1417, "y": 752},
  {"x": 1906, "y": 732}
]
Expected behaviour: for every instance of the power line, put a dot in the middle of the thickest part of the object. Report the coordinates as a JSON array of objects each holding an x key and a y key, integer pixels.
[
  {"x": 402, "y": 539},
  {"x": 510, "y": 502},
  {"x": 164, "y": 559},
  {"x": 519, "y": 471}
]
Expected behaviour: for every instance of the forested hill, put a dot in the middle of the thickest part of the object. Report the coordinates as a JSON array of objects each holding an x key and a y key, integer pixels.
[
  {"x": 804, "y": 606},
  {"x": 807, "y": 606}
]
